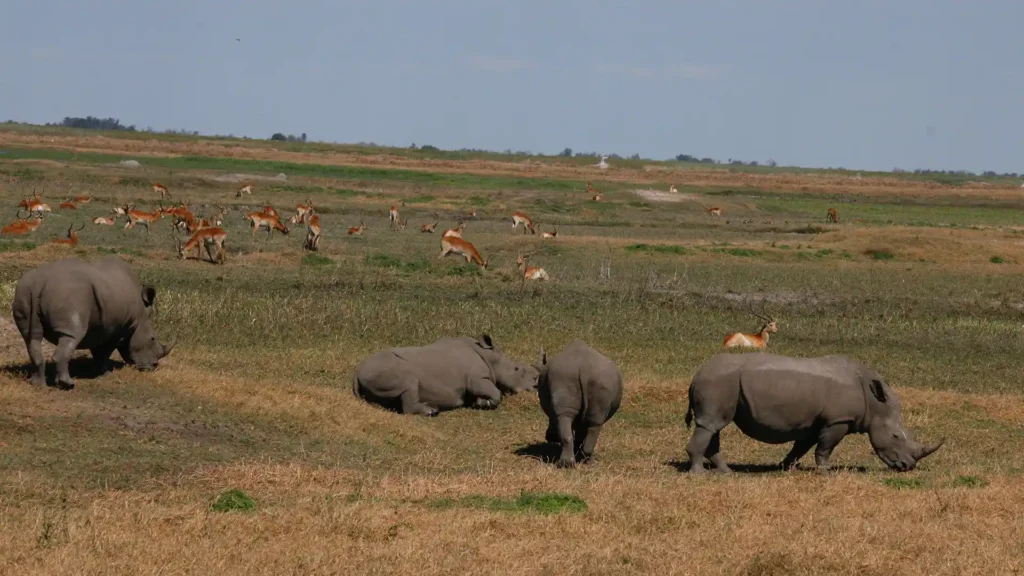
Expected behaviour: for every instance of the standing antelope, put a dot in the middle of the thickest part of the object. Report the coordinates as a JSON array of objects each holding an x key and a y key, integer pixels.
[
  {"x": 103, "y": 220},
  {"x": 302, "y": 212},
  {"x": 759, "y": 340},
  {"x": 833, "y": 216},
  {"x": 455, "y": 232},
  {"x": 429, "y": 228},
  {"x": 550, "y": 234},
  {"x": 68, "y": 205},
  {"x": 161, "y": 190},
  {"x": 358, "y": 230},
  {"x": 208, "y": 238},
  {"x": 144, "y": 218},
  {"x": 530, "y": 272},
  {"x": 715, "y": 211},
  {"x": 244, "y": 189},
  {"x": 264, "y": 220},
  {"x": 269, "y": 210},
  {"x": 313, "y": 234},
  {"x": 393, "y": 217},
  {"x": 21, "y": 225},
  {"x": 72, "y": 239},
  {"x": 456, "y": 245},
  {"x": 521, "y": 218}
]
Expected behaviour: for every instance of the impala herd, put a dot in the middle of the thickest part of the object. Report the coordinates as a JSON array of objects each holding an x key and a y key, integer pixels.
[{"x": 205, "y": 233}]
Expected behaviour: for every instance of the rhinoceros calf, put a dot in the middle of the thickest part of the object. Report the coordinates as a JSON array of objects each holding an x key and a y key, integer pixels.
[
  {"x": 448, "y": 374},
  {"x": 79, "y": 305},
  {"x": 807, "y": 401},
  {"x": 579, "y": 389}
]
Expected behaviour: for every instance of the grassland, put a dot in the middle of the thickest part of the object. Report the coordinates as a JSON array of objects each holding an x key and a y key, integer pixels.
[{"x": 247, "y": 454}]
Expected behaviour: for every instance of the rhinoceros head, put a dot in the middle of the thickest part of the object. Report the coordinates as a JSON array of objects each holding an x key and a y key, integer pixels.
[
  {"x": 143, "y": 349},
  {"x": 893, "y": 443},
  {"x": 510, "y": 377}
]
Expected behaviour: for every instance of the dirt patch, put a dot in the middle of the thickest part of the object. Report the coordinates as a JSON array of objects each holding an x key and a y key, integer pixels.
[
  {"x": 663, "y": 196},
  {"x": 236, "y": 178}
]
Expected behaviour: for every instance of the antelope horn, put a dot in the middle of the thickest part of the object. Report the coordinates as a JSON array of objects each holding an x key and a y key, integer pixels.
[
  {"x": 750, "y": 306},
  {"x": 82, "y": 228},
  {"x": 19, "y": 215}
]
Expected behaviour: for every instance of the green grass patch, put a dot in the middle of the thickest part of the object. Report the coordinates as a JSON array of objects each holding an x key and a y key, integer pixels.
[
  {"x": 384, "y": 260},
  {"x": 14, "y": 246},
  {"x": 639, "y": 204},
  {"x": 657, "y": 248},
  {"x": 902, "y": 483},
  {"x": 969, "y": 482},
  {"x": 880, "y": 254},
  {"x": 233, "y": 500},
  {"x": 741, "y": 252},
  {"x": 479, "y": 201},
  {"x": 996, "y": 260},
  {"x": 316, "y": 260},
  {"x": 421, "y": 199},
  {"x": 465, "y": 270},
  {"x": 544, "y": 503}
]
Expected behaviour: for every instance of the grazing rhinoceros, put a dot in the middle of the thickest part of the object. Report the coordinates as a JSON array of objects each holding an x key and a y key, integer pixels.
[
  {"x": 579, "y": 389},
  {"x": 807, "y": 401},
  {"x": 448, "y": 374},
  {"x": 79, "y": 305}
]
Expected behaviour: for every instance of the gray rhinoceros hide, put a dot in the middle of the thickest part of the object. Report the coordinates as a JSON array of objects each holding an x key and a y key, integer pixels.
[
  {"x": 79, "y": 305},
  {"x": 579, "y": 390},
  {"x": 807, "y": 401},
  {"x": 448, "y": 374}
]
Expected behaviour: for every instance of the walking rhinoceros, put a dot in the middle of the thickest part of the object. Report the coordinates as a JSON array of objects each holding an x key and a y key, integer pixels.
[
  {"x": 448, "y": 374},
  {"x": 807, "y": 401},
  {"x": 579, "y": 389},
  {"x": 79, "y": 305}
]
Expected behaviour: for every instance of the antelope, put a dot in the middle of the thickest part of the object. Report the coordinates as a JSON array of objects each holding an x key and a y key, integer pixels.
[
  {"x": 715, "y": 211},
  {"x": 313, "y": 234},
  {"x": 264, "y": 220},
  {"x": 120, "y": 210},
  {"x": 456, "y": 245},
  {"x": 34, "y": 204},
  {"x": 21, "y": 225},
  {"x": 530, "y": 272},
  {"x": 72, "y": 239},
  {"x": 429, "y": 228},
  {"x": 455, "y": 232},
  {"x": 161, "y": 190},
  {"x": 144, "y": 218},
  {"x": 206, "y": 237},
  {"x": 302, "y": 212},
  {"x": 759, "y": 340},
  {"x": 244, "y": 189},
  {"x": 358, "y": 230},
  {"x": 550, "y": 234},
  {"x": 392, "y": 217},
  {"x": 269, "y": 210},
  {"x": 403, "y": 224},
  {"x": 83, "y": 199},
  {"x": 591, "y": 189},
  {"x": 68, "y": 205},
  {"x": 103, "y": 221},
  {"x": 596, "y": 197},
  {"x": 521, "y": 218},
  {"x": 833, "y": 216},
  {"x": 672, "y": 189}
]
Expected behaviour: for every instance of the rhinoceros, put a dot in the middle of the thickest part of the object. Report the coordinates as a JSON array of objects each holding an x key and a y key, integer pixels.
[
  {"x": 807, "y": 401},
  {"x": 79, "y": 305},
  {"x": 579, "y": 389},
  {"x": 448, "y": 374}
]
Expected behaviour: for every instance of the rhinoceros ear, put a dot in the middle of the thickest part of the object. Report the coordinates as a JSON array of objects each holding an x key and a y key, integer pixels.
[
  {"x": 148, "y": 295},
  {"x": 485, "y": 341},
  {"x": 542, "y": 358},
  {"x": 878, "y": 390}
]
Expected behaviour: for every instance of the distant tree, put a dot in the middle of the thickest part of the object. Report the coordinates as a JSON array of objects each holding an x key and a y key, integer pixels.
[
  {"x": 279, "y": 137},
  {"x": 634, "y": 157},
  {"x": 753, "y": 162},
  {"x": 93, "y": 123},
  {"x": 772, "y": 163},
  {"x": 567, "y": 153},
  {"x": 303, "y": 137}
]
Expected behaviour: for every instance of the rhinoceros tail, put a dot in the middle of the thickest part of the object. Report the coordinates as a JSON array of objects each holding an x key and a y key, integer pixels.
[
  {"x": 355, "y": 385},
  {"x": 689, "y": 409}
]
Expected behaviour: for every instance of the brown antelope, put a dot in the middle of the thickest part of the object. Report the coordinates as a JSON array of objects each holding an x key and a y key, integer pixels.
[
  {"x": 550, "y": 234},
  {"x": 596, "y": 197},
  {"x": 590, "y": 189},
  {"x": 21, "y": 225},
  {"x": 244, "y": 189},
  {"x": 393, "y": 217},
  {"x": 72, "y": 239},
  {"x": 103, "y": 220},
  {"x": 530, "y": 272},
  {"x": 833, "y": 216},
  {"x": 120, "y": 210},
  {"x": 302, "y": 212},
  {"x": 759, "y": 340},
  {"x": 458, "y": 246},
  {"x": 161, "y": 190},
  {"x": 455, "y": 232},
  {"x": 207, "y": 238},
  {"x": 715, "y": 211},
  {"x": 144, "y": 218},
  {"x": 83, "y": 199},
  {"x": 269, "y": 210},
  {"x": 264, "y": 220},
  {"x": 358, "y": 230},
  {"x": 68, "y": 205},
  {"x": 34, "y": 204},
  {"x": 521, "y": 218},
  {"x": 313, "y": 234},
  {"x": 672, "y": 189},
  {"x": 429, "y": 228}
]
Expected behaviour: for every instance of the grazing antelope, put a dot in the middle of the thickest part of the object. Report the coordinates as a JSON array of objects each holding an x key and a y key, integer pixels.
[
  {"x": 161, "y": 190},
  {"x": 458, "y": 246},
  {"x": 715, "y": 211},
  {"x": 313, "y": 234},
  {"x": 72, "y": 239},
  {"x": 83, "y": 199},
  {"x": 429, "y": 228},
  {"x": 833, "y": 216},
  {"x": 207, "y": 237},
  {"x": 530, "y": 272},
  {"x": 521, "y": 218},
  {"x": 21, "y": 225},
  {"x": 104, "y": 221},
  {"x": 244, "y": 189},
  {"x": 264, "y": 220},
  {"x": 672, "y": 189},
  {"x": 68, "y": 205},
  {"x": 759, "y": 340},
  {"x": 358, "y": 230},
  {"x": 144, "y": 218},
  {"x": 550, "y": 234},
  {"x": 455, "y": 232}
]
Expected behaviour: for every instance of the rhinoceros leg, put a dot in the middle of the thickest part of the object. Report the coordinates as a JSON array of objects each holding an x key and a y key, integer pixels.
[
  {"x": 486, "y": 395},
  {"x": 411, "y": 403},
  {"x": 828, "y": 439},
  {"x": 62, "y": 356},
  {"x": 35, "y": 355},
  {"x": 800, "y": 447},
  {"x": 590, "y": 437},
  {"x": 101, "y": 358},
  {"x": 705, "y": 444},
  {"x": 565, "y": 436}
]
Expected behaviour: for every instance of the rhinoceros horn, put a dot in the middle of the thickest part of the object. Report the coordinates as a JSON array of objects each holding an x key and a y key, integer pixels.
[
  {"x": 925, "y": 452},
  {"x": 169, "y": 347}
]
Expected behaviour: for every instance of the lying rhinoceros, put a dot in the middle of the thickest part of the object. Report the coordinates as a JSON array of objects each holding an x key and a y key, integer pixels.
[
  {"x": 448, "y": 374},
  {"x": 79, "y": 305},
  {"x": 579, "y": 389},
  {"x": 807, "y": 401}
]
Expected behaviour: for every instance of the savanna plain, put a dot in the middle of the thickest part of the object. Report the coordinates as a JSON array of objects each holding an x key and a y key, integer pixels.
[{"x": 247, "y": 453}]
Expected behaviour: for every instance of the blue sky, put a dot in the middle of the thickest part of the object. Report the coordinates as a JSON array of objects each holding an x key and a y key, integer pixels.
[{"x": 867, "y": 84}]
